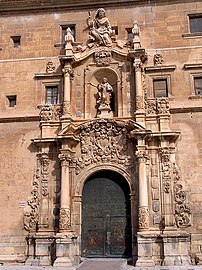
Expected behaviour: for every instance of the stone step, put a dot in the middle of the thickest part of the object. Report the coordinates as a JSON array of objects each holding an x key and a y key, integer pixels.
[{"x": 103, "y": 264}]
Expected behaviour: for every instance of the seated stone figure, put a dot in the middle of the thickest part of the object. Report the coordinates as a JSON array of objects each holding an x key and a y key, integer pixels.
[{"x": 100, "y": 28}]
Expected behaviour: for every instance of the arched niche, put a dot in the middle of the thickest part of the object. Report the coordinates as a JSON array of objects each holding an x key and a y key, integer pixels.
[{"x": 91, "y": 106}]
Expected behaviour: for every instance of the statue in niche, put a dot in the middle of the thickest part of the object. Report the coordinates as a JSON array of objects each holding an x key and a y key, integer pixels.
[
  {"x": 100, "y": 32},
  {"x": 105, "y": 91}
]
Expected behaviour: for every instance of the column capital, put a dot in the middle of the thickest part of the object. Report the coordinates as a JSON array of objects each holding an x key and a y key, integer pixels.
[
  {"x": 65, "y": 159},
  {"x": 142, "y": 156},
  {"x": 68, "y": 70},
  {"x": 137, "y": 65},
  {"x": 66, "y": 156}
]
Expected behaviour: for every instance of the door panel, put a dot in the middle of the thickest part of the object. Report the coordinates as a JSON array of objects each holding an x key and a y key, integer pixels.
[{"x": 105, "y": 219}]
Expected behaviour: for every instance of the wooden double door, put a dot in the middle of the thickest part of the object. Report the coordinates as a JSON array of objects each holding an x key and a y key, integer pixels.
[{"x": 106, "y": 216}]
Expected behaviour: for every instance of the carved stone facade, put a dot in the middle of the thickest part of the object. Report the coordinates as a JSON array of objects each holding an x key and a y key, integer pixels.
[{"x": 109, "y": 133}]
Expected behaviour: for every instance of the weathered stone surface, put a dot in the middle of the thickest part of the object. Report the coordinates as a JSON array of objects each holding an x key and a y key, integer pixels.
[{"x": 49, "y": 152}]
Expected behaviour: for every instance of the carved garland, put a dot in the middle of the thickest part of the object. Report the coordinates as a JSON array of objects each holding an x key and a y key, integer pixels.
[
  {"x": 40, "y": 181},
  {"x": 44, "y": 159},
  {"x": 50, "y": 112},
  {"x": 143, "y": 214},
  {"x": 31, "y": 215},
  {"x": 182, "y": 209},
  {"x": 65, "y": 219},
  {"x": 102, "y": 58},
  {"x": 103, "y": 141},
  {"x": 165, "y": 168}
]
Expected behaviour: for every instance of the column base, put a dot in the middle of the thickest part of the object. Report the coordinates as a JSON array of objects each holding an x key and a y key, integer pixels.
[
  {"x": 144, "y": 263},
  {"x": 63, "y": 262}
]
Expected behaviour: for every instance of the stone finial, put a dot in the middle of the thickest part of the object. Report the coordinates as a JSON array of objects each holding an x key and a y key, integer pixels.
[
  {"x": 136, "y": 35},
  {"x": 69, "y": 40}
]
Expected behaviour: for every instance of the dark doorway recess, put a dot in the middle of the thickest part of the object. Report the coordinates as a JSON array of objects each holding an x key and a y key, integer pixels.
[{"x": 106, "y": 216}]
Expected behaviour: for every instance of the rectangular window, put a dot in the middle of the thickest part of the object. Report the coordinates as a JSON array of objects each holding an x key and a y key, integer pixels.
[
  {"x": 51, "y": 94},
  {"x": 12, "y": 101},
  {"x": 198, "y": 85},
  {"x": 64, "y": 31},
  {"x": 195, "y": 22},
  {"x": 16, "y": 41},
  {"x": 160, "y": 87}
]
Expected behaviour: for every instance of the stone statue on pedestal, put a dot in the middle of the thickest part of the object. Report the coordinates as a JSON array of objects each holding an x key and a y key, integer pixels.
[{"x": 105, "y": 91}]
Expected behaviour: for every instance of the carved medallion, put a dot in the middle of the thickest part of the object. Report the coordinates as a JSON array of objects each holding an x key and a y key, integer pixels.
[{"x": 103, "y": 141}]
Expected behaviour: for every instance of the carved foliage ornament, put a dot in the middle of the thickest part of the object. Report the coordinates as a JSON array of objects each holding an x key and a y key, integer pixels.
[
  {"x": 143, "y": 217},
  {"x": 32, "y": 210},
  {"x": 158, "y": 106},
  {"x": 44, "y": 159},
  {"x": 163, "y": 106},
  {"x": 182, "y": 209},
  {"x": 139, "y": 103},
  {"x": 103, "y": 141},
  {"x": 166, "y": 169},
  {"x": 39, "y": 188},
  {"x": 65, "y": 220},
  {"x": 50, "y": 112},
  {"x": 102, "y": 58}
]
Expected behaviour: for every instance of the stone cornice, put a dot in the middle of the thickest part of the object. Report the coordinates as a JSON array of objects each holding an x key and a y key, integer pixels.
[
  {"x": 19, "y": 119},
  {"x": 18, "y": 6}
]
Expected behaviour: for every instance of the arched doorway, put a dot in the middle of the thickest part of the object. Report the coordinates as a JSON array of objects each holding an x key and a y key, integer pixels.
[{"x": 106, "y": 216}]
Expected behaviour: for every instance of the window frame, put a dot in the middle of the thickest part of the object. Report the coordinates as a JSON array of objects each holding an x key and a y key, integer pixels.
[
  {"x": 199, "y": 15},
  {"x": 52, "y": 87},
  {"x": 154, "y": 90},
  {"x": 188, "y": 33},
  {"x": 152, "y": 77},
  {"x": 193, "y": 91},
  {"x": 52, "y": 83}
]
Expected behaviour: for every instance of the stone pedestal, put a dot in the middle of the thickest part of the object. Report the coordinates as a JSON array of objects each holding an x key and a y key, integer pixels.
[
  {"x": 41, "y": 250},
  {"x": 66, "y": 251},
  {"x": 176, "y": 249},
  {"x": 145, "y": 258},
  {"x": 105, "y": 111}
]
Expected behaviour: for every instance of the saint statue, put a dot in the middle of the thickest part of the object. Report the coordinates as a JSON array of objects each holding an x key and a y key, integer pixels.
[
  {"x": 104, "y": 93},
  {"x": 100, "y": 28}
]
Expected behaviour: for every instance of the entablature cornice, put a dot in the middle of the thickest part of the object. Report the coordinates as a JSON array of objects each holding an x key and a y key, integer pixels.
[
  {"x": 47, "y": 75},
  {"x": 160, "y": 68},
  {"x": 193, "y": 66},
  {"x": 20, "y": 6}
]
